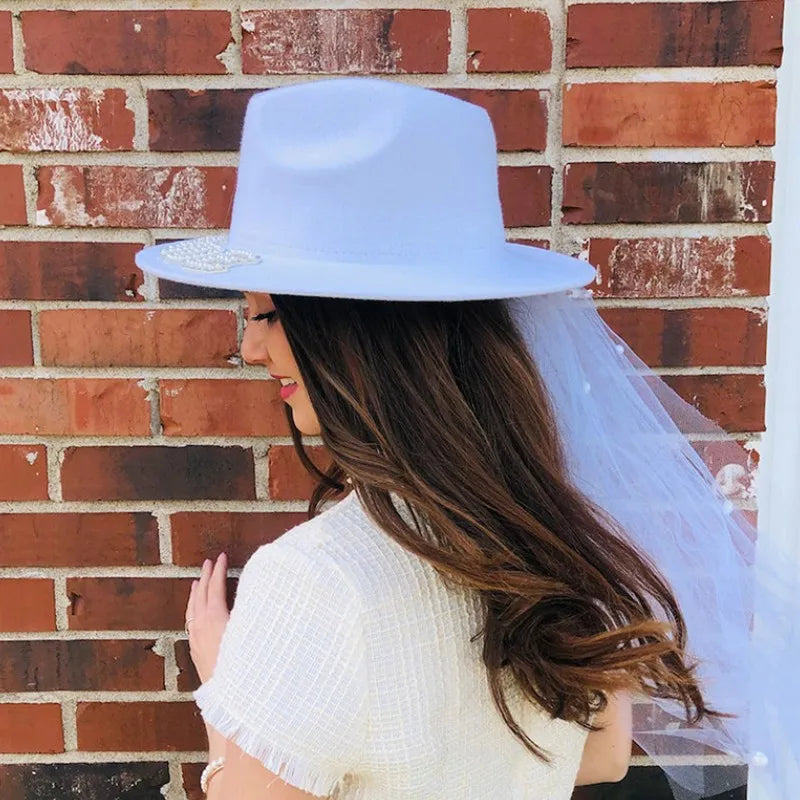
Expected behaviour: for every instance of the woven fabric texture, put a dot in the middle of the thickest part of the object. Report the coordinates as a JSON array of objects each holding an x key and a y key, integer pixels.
[{"x": 347, "y": 669}]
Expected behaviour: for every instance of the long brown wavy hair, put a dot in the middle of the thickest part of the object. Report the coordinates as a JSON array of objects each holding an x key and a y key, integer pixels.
[{"x": 441, "y": 404}]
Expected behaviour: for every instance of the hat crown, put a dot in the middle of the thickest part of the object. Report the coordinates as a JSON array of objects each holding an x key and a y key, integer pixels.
[{"x": 348, "y": 168}]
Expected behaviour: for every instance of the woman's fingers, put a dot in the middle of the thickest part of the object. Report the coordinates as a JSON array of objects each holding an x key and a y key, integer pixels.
[
  {"x": 202, "y": 587},
  {"x": 190, "y": 612},
  {"x": 216, "y": 589}
]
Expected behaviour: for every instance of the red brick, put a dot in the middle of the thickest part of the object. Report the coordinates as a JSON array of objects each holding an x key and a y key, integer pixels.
[
  {"x": 144, "y": 604},
  {"x": 288, "y": 478},
  {"x": 669, "y": 114},
  {"x": 723, "y": 34},
  {"x": 519, "y": 116},
  {"x": 542, "y": 244},
  {"x": 6, "y": 43},
  {"x": 121, "y": 538},
  {"x": 133, "y": 42},
  {"x": 80, "y": 665},
  {"x": 672, "y": 267},
  {"x": 130, "y": 337},
  {"x": 158, "y": 473},
  {"x": 115, "y": 727},
  {"x": 668, "y": 192},
  {"x": 74, "y": 406},
  {"x": 525, "y": 195},
  {"x": 222, "y": 408},
  {"x": 69, "y": 271},
  {"x": 197, "y": 535},
  {"x": 27, "y": 604},
  {"x": 24, "y": 471},
  {"x": 190, "y": 773},
  {"x": 74, "y": 120},
  {"x": 122, "y": 604},
  {"x": 196, "y": 119},
  {"x": 31, "y": 728},
  {"x": 135, "y": 197},
  {"x": 692, "y": 337},
  {"x": 16, "y": 345},
  {"x": 345, "y": 40},
  {"x": 508, "y": 40},
  {"x": 12, "y": 199},
  {"x": 734, "y": 402}
]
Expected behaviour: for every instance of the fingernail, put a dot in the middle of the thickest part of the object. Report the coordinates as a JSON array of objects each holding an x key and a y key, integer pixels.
[{"x": 206, "y": 563}]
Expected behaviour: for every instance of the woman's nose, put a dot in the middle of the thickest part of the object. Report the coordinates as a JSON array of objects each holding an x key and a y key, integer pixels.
[{"x": 253, "y": 349}]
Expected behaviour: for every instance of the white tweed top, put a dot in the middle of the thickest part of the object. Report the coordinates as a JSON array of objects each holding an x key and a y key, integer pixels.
[{"x": 347, "y": 669}]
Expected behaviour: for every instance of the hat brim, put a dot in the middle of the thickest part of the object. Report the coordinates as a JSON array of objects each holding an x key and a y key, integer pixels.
[{"x": 514, "y": 270}]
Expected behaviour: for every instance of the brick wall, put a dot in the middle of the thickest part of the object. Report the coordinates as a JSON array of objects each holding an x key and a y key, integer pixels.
[{"x": 132, "y": 441}]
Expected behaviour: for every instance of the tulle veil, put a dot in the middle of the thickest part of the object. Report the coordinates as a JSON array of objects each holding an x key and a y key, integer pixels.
[{"x": 680, "y": 487}]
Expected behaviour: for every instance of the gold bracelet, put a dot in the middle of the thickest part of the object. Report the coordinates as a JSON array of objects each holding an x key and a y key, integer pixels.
[{"x": 210, "y": 770}]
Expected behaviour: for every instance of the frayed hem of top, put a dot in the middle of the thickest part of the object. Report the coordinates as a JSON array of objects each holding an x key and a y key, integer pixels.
[{"x": 291, "y": 768}]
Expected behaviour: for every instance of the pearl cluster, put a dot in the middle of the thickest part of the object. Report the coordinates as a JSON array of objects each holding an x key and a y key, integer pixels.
[{"x": 207, "y": 254}]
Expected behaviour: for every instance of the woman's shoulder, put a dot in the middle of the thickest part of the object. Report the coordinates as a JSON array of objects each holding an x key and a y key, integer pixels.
[
  {"x": 344, "y": 543},
  {"x": 317, "y": 549}
]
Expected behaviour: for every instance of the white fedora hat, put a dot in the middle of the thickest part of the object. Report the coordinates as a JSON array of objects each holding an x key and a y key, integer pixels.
[{"x": 366, "y": 188}]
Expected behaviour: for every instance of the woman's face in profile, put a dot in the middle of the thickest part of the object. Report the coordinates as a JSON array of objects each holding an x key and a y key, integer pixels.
[{"x": 265, "y": 343}]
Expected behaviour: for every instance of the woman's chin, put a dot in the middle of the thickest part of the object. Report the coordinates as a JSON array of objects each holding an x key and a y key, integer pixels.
[{"x": 305, "y": 423}]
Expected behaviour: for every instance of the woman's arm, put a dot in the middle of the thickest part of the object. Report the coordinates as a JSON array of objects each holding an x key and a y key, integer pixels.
[
  {"x": 244, "y": 777},
  {"x": 607, "y": 753}
]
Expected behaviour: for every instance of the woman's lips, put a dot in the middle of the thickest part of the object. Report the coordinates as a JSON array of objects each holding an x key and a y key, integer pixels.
[{"x": 288, "y": 390}]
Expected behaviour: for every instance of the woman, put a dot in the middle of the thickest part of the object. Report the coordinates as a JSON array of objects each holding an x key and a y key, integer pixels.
[{"x": 471, "y": 616}]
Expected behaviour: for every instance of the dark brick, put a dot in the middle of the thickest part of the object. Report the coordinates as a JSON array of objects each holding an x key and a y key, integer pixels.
[
  {"x": 172, "y": 290},
  {"x": 668, "y": 192},
  {"x": 188, "y": 679},
  {"x": 197, "y": 472},
  {"x": 141, "y": 780},
  {"x": 196, "y": 119},
  {"x": 69, "y": 271},
  {"x": 692, "y": 337},
  {"x": 675, "y": 34},
  {"x": 519, "y": 116},
  {"x": 80, "y": 665}
]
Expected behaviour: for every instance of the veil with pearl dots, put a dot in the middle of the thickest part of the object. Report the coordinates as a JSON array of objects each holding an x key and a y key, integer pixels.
[{"x": 680, "y": 487}]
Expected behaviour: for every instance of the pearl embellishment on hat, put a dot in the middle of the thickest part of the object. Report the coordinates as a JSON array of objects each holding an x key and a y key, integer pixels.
[
  {"x": 207, "y": 254},
  {"x": 759, "y": 759}
]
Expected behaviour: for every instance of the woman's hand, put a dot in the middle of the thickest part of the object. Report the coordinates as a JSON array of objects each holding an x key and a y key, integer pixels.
[{"x": 207, "y": 615}]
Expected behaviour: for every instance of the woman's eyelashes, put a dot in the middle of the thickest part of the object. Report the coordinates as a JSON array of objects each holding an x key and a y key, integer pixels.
[{"x": 269, "y": 316}]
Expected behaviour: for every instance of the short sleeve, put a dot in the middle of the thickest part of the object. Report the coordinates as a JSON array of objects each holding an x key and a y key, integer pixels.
[{"x": 290, "y": 686}]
